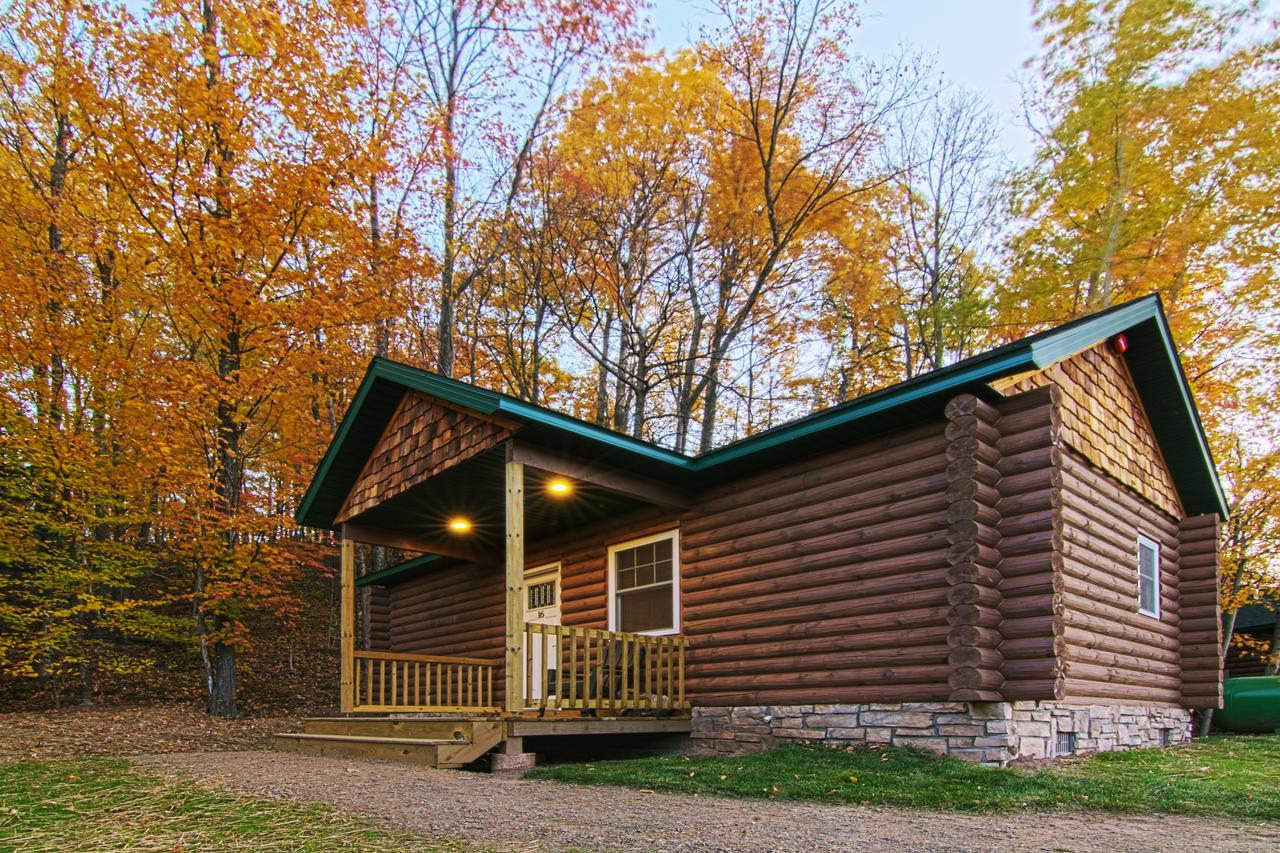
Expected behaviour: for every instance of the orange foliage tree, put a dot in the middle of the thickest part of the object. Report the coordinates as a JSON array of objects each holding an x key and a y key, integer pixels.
[{"x": 234, "y": 142}]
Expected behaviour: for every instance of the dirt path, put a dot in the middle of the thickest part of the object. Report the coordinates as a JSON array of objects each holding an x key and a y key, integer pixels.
[{"x": 525, "y": 815}]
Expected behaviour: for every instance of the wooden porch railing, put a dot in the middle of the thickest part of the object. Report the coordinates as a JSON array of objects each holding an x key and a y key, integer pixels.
[
  {"x": 391, "y": 681},
  {"x": 567, "y": 667}
]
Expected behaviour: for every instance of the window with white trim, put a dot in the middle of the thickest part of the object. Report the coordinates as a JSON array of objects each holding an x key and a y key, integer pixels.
[
  {"x": 1148, "y": 577},
  {"x": 644, "y": 585}
]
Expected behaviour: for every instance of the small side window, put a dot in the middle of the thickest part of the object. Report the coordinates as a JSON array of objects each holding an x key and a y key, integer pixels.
[{"x": 1148, "y": 577}]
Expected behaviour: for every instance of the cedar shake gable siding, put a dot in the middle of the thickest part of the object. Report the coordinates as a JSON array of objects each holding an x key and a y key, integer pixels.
[
  {"x": 423, "y": 439},
  {"x": 1103, "y": 420}
]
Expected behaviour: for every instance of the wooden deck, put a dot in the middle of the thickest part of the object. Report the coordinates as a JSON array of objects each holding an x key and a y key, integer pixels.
[{"x": 451, "y": 741}]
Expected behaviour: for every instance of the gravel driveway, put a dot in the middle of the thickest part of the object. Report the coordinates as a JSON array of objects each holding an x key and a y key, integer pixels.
[{"x": 513, "y": 814}]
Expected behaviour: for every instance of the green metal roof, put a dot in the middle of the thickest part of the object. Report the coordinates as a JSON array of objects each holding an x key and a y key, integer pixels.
[
  {"x": 1152, "y": 360},
  {"x": 403, "y": 570},
  {"x": 1254, "y": 616}
]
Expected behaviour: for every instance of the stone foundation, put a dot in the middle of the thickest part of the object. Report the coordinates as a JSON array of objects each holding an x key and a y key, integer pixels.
[{"x": 989, "y": 732}]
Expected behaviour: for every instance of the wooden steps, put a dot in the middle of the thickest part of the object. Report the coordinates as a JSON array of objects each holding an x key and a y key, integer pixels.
[{"x": 432, "y": 742}]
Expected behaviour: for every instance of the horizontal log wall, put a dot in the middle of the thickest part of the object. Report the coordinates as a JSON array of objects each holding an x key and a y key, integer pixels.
[
  {"x": 1029, "y": 484},
  {"x": 583, "y": 558},
  {"x": 823, "y": 580},
  {"x": 976, "y": 557},
  {"x": 1113, "y": 653},
  {"x": 456, "y": 612},
  {"x": 379, "y": 615},
  {"x": 1201, "y": 615}
]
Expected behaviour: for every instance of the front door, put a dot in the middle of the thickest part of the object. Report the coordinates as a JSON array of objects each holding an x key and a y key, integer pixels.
[{"x": 542, "y": 607}]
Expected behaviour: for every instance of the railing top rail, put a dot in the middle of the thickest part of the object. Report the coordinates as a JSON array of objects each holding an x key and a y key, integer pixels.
[
  {"x": 404, "y": 656},
  {"x": 580, "y": 631}
]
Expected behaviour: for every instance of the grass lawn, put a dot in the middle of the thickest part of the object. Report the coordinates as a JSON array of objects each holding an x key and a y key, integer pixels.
[
  {"x": 107, "y": 804},
  {"x": 1235, "y": 777}
]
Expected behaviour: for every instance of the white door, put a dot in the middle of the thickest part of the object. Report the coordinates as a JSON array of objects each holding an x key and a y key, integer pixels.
[{"x": 541, "y": 607}]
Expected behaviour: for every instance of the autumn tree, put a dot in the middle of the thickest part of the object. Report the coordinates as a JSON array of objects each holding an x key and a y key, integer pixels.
[
  {"x": 629, "y": 156},
  {"x": 515, "y": 330},
  {"x": 944, "y": 207},
  {"x": 806, "y": 118},
  {"x": 1154, "y": 170},
  {"x": 1157, "y": 172},
  {"x": 236, "y": 146},
  {"x": 74, "y": 457},
  {"x": 493, "y": 74}
]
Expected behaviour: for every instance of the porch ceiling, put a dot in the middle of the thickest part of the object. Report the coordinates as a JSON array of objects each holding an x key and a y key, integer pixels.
[{"x": 476, "y": 490}]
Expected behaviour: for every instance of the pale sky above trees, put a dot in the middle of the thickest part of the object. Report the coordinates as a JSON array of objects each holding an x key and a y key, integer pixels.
[{"x": 979, "y": 45}]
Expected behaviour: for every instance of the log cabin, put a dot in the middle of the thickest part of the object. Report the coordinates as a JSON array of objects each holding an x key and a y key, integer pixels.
[{"x": 1015, "y": 555}]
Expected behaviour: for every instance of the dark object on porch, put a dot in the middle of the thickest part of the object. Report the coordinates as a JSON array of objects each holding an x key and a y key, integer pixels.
[{"x": 613, "y": 677}]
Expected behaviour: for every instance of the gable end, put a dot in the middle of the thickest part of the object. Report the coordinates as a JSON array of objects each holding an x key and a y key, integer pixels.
[
  {"x": 422, "y": 439},
  {"x": 1104, "y": 420}
]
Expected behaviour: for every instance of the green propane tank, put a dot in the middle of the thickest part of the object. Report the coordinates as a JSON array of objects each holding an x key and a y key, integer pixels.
[{"x": 1250, "y": 705}]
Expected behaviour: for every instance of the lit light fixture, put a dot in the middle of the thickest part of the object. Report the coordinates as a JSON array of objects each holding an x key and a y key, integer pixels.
[
  {"x": 458, "y": 524},
  {"x": 559, "y": 487}
]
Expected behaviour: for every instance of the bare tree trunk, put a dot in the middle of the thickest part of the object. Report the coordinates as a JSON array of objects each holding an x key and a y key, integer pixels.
[
  {"x": 228, "y": 459},
  {"x": 444, "y": 323},
  {"x": 710, "y": 405},
  {"x": 621, "y": 396},
  {"x": 602, "y": 375},
  {"x": 382, "y": 326},
  {"x": 223, "y": 701},
  {"x": 1100, "y": 284},
  {"x": 86, "y": 682}
]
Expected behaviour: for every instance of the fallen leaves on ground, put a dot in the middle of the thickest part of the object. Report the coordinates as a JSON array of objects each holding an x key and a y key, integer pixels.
[{"x": 134, "y": 730}]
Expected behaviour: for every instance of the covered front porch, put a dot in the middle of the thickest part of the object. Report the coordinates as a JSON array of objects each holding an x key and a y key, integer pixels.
[
  {"x": 498, "y": 606},
  {"x": 565, "y": 670}
]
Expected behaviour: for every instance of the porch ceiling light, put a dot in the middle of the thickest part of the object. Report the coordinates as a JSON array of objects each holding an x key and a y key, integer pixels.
[
  {"x": 459, "y": 524},
  {"x": 559, "y": 487}
]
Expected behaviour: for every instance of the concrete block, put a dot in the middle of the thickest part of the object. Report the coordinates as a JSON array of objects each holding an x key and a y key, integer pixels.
[
  {"x": 991, "y": 710},
  {"x": 788, "y": 722},
  {"x": 1033, "y": 747},
  {"x": 945, "y": 717},
  {"x": 503, "y": 762},
  {"x": 1033, "y": 729},
  {"x": 948, "y": 707}
]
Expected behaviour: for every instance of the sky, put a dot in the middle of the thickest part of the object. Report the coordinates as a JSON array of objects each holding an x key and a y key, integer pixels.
[{"x": 980, "y": 45}]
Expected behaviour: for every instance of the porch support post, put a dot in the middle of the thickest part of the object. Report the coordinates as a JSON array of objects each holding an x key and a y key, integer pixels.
[
  {"x": 514, "y": 668},
  {"x": 347, "y": 627}
]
